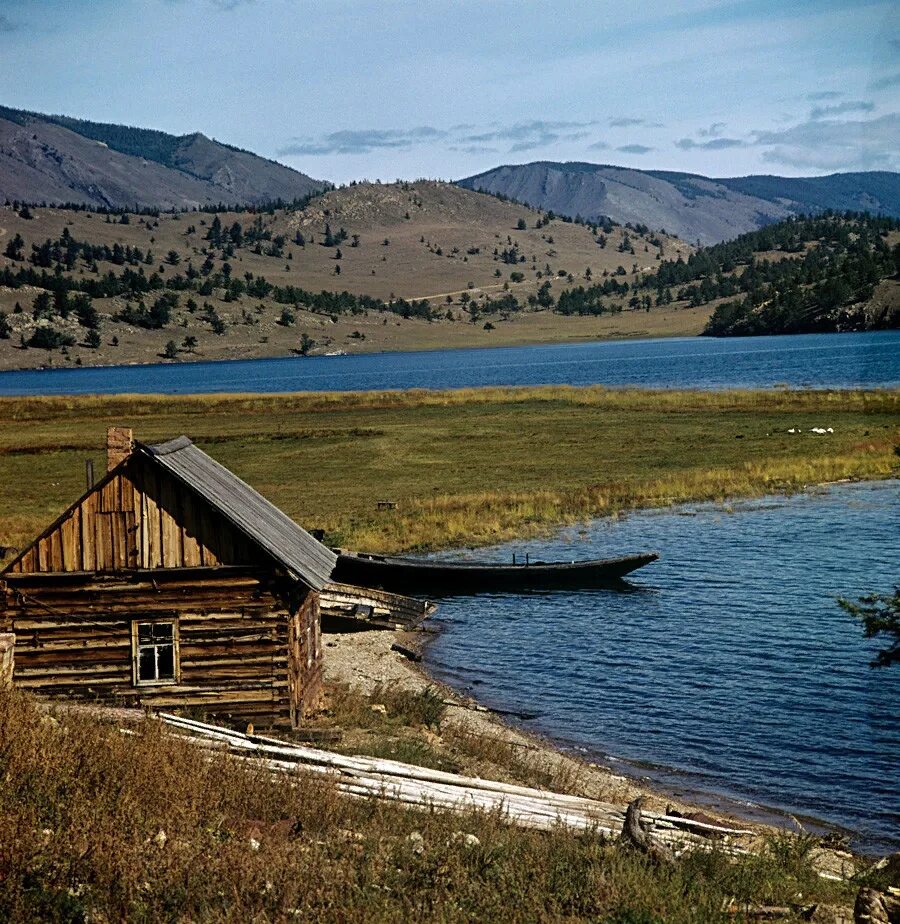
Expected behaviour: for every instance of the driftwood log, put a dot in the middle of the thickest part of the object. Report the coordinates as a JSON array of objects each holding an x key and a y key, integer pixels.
[
  {"x": 770, "y": 912},
  {"x": 635, "y": 835},
  {"x": 874, "y": 907}
]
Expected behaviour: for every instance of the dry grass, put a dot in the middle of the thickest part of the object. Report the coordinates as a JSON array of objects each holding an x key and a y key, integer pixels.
[
  {"x": 102, "y": 826},
  {"x": 463, "y": 467},
  {"x": 408, "y": 725}
]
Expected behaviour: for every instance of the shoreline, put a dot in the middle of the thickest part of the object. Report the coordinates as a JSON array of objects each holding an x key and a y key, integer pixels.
[
  {"x": 511, "y": 343},
  {"x": 364, "y": 661}
]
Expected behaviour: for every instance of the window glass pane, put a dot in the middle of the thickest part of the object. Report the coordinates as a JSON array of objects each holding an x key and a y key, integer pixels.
[
  {"x": 147, "y": 664},
  {"x": 145, "y": 632},
  {"x": 162, "y": 632},
  {"x": 166, "y": 662}
]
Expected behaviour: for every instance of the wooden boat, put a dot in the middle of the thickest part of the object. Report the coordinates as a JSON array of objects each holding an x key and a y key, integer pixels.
[{"x": 411, "y": 575}]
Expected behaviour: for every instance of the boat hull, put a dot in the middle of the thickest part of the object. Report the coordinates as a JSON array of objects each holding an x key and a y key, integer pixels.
[{"x": 408, "y": 575}]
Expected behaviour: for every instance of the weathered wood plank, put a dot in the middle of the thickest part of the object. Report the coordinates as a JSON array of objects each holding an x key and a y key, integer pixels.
[
  {"x": 172, "y": 550},
  {"x": 192, "y": 554}
]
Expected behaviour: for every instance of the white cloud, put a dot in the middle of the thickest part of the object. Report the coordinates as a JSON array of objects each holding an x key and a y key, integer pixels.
[
  {"x": 834, "y": 145},
  {"x": 856, "y": 105}
]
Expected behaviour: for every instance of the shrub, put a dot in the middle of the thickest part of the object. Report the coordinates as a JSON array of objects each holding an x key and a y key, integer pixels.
[{"x": 49, "y": 338}]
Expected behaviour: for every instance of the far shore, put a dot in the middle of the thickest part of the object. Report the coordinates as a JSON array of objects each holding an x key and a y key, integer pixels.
[{"x": 399, "y": 336}]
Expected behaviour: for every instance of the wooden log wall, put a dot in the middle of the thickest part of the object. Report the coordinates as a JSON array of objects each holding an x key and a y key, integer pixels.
[
  {"x": 137, "y": 517},
  {"x": 74, "y": 640}
]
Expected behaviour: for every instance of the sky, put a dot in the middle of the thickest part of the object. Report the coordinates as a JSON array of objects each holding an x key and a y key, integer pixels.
[{"x": 395, "y": 89}]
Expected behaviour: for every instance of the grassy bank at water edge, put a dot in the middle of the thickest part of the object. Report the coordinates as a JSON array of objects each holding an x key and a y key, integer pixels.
[{"x": 462, "y": 467}]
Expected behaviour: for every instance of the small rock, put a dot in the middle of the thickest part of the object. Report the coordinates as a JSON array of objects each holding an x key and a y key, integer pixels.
[
  {"x": 254, "y": 844},
  {"x": 380, "y": 708},
  {"x": 416, "y": 842},
  {"x": 870, "y": 907},
  {"x": 468, "y": 840},
  {"x": 160, "y": 838}
]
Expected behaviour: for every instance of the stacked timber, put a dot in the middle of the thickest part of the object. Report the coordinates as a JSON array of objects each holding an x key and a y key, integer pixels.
[{"x": 348, "y": 606}]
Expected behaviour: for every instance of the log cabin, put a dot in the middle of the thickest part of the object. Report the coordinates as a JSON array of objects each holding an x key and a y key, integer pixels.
[{"x": 171, "y": 583}]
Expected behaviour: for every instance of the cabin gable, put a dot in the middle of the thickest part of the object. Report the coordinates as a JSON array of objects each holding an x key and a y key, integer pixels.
[{"x": 139, "y": 517}]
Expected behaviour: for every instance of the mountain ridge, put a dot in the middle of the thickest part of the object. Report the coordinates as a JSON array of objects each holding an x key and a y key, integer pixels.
[
  {"x": 62, "y": 160},
  {"x": 693, "y": 206}
]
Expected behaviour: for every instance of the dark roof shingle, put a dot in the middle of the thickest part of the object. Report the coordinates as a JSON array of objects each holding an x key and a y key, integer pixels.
[{"x": 304, "y": 557}]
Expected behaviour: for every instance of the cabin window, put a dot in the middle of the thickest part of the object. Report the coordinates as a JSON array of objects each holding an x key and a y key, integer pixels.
[{"x": 155, "y": 652}]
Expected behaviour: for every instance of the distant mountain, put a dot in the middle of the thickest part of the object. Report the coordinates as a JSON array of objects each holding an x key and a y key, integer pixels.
[
  {"x": 691, "y": 206},
  {"x": 56, "y": 159}
]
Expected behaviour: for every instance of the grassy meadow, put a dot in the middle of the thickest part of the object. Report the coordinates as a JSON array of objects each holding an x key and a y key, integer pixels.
[{"x": 463, "y": 467}]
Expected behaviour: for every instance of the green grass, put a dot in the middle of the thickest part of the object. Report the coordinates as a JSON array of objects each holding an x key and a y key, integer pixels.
[
  {"x": 98, "y": 825},
  {"x": 463, "y": 467}
]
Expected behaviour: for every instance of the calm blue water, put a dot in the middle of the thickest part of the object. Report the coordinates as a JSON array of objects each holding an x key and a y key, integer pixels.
[
  {"x": 729, "y": 667},
  {"x": 808, "y": 360}
]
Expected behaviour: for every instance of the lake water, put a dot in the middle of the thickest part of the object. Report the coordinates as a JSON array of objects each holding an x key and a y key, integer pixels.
[
  {"x": 808, "y": 360},
  {"x": 728, "y": 671}
]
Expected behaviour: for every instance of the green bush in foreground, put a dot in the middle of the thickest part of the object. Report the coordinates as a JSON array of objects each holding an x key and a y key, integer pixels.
[{"x": 97, "y": 824}]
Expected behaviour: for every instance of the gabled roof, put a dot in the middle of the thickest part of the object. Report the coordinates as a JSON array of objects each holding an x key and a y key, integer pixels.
[{"x": 304, "y": 557}]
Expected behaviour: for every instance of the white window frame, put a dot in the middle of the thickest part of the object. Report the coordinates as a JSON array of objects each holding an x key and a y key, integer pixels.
[{"x": 136, "y": 648}]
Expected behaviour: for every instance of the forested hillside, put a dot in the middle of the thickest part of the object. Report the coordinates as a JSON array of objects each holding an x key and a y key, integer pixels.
[
  {"x": 802, "y": 275},
  {"x": 366, "y": 267}
]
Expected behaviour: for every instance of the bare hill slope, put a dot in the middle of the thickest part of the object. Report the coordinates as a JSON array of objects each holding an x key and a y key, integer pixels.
[
  {"x": 693, "y": 207},
  {"x": 56, "y": 160}
]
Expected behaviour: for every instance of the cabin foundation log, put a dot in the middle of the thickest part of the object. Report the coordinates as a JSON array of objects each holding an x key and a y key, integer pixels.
[{"x": 7, "y": 658}]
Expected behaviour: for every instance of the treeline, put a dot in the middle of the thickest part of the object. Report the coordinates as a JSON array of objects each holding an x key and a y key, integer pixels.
[
  {"x": 826, "y": 264},
  {"x": 587, "y": 300},
  {"x": 347, "y": 303},
  {"x": 268, "y": 207}
]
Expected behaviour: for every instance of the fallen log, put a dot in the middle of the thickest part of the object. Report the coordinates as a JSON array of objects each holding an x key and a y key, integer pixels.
[
  {"x": 475, "y": 707},
  {"x": 422, "y": 787},
  {"x": 770, "y": 912},
  {"x": 407, "y": 653}
]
